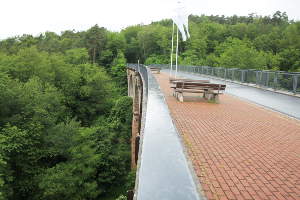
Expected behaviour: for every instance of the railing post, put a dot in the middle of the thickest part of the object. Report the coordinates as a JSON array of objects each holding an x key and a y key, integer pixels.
[
  {"x": 295, "y": 82},
  {"x": 275, "y": 80},
  {"x": 243, "y": 76},
  {"x": 260, "y": 78},
  {"x": 256, "y": 76},
  {"x": 267, "y": 81}
]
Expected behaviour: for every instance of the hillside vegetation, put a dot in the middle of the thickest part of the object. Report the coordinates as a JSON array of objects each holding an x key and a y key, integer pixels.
[
  {"x": 251, "y": 42},
  {"x": 65, "y": 120}
]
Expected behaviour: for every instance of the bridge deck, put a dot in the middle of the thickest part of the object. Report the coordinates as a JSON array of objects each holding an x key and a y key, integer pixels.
[{"x": 239, "y": 150}]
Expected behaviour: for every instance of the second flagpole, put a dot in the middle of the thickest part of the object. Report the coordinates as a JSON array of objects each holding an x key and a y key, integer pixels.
[
  {"x": 176, "y": 54},
  {"x": 171, "y": 66}
]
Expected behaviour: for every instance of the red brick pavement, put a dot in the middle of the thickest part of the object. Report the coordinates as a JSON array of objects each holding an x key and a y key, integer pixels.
[{"x": 238, "y": 149}]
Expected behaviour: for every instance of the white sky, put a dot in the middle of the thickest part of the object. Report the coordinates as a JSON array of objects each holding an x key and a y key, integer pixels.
[{"x": 19, "y": 17}]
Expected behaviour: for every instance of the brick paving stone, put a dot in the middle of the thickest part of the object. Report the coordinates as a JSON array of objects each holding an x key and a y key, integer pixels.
[
  {"x": 230, "y": 195},
  {"x": 250, "y": 190},
  {"x": 246, "y": 195},
  {"x": 223, "y": 198},
  {"x": 262, "y": 195},
  {"x": 239, "y": 150}
]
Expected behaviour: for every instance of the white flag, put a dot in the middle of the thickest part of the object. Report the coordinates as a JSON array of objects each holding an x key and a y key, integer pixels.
[{"x": 180, "y": 18}]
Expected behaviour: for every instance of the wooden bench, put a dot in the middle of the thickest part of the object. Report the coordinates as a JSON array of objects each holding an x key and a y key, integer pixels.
[
  {"x": 155, "y": 69},
  {"x": 210, "y": 91}
]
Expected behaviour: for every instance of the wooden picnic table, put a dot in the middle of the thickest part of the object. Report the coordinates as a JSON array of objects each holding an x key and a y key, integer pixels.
[{"x": 210, "y": 91}]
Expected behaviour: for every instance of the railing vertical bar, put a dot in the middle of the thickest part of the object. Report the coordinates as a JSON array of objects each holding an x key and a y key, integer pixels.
[
  {"x": 268, "y": 79},
  {"x": 295, "y": 79},
  {"x": 275, "y": 81}
]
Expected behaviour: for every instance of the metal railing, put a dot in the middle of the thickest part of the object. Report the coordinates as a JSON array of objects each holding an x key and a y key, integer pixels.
[
  {"x": 276, "y": 80},
  {"x": 140, "y": 68}
]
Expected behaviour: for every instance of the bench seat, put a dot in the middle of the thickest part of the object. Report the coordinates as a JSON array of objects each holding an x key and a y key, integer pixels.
[{"x": 189, "y": 91}]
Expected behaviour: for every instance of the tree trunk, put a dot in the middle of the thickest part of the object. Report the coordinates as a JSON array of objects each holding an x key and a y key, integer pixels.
[{"x": 94, "y": 56}]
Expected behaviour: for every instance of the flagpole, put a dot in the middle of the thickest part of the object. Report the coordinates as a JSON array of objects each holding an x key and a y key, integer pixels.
[
  {"x": 171, "y": 67},
  {"x": 176, "y": 54}
]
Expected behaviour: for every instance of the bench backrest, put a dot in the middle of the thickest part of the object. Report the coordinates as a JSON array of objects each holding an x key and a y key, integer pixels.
[
  {"x": 154, "y": 68},
  {"x": 174, "y": 80},
  {"x": 199, "y": 85}
]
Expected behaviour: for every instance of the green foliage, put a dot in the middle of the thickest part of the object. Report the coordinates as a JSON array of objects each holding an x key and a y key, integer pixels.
[
  {"x": 290, "y": 59},
  {"x": 64, "y": 126},
  {"x": 77, "y": 56},
  {"x": 95, "y": 39},
  {"x": 91, "y": 99},
  {"x": 257, "y": 42},
  {"x": 235, "y": 53},
  {"x": 156, "y": 59},
  {"x": 3, "y": 171},
  {"x": 75, "y": 177},
  {"x": 118, "y": 72},
  {"x": 122, "y": 197},
  {"x": 132, "y": 51}
]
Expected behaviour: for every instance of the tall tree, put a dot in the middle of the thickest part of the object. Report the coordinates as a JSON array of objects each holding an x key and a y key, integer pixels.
[{"x": 95, "y": 39}]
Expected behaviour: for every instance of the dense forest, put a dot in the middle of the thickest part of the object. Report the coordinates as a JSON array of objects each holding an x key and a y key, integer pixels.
[
  {"x": 250, "y": 42},
  {"x": 65, "y": 118}
]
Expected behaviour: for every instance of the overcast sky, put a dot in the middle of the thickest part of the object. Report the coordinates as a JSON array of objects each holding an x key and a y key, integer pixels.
[{"x": 19, "y": 17}]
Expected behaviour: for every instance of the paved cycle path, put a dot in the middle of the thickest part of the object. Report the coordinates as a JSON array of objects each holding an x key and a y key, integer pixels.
[{"x": 239, "y": 150}]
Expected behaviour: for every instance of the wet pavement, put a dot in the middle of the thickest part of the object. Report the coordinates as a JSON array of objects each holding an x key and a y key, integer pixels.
[{"x": 286, "y": 104}]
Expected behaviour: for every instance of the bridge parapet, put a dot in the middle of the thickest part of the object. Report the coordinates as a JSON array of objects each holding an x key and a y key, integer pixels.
[{"x": 163, "y": 170}]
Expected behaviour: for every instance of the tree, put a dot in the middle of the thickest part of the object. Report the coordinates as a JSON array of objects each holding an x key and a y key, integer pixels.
[
  {"x": 77, "y": 56},
  {"x": 235, "y": 53},
  {"x": 95, "y": 39},
  {"x": 290, "y": 59},
  {"x": 52, "y": 110},
  {"x": 132, "y": 51},
  {"x": 115, "y": 44},
  {"x": 118, "y": 72}
]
